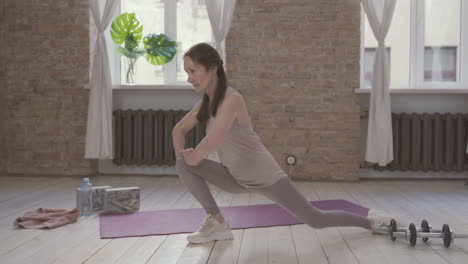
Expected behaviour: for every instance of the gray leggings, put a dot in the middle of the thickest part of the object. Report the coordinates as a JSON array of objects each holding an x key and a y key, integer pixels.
[{"x": 282, "y": 192}]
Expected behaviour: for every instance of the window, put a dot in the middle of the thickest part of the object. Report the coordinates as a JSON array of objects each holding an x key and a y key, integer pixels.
[
  {"x": 426, "y": 40},
  {"x": 185, "y": 21},
  {"x": 193, "y": 26},
  {"x": 440, "y": 64},
  {"x": 397, "y": 41}
]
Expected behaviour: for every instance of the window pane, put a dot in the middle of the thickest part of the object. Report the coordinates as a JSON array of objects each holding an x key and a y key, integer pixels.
[
  {"x": 193, "y": 26},
  {"x": 150, "y": 13},
  {"x": 397, "y": 40},
  {"x": 440, "y": 64},
  {"x": 441, "y": 40}
]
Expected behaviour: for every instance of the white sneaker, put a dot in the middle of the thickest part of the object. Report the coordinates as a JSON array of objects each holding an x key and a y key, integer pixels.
[
  {"x": 379, "y": 219},
  {"x": 211, "y": 230}
]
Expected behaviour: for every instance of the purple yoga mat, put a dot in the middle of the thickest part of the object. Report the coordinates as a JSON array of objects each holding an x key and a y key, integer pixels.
[{"x": 163, "y": 222}]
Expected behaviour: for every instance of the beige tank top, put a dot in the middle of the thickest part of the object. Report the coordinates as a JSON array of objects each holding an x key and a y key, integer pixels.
[{"x": 246, "y": 158}]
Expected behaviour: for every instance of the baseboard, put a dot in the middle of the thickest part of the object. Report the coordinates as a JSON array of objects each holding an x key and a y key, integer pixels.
[{"x": 442, "y": 175}]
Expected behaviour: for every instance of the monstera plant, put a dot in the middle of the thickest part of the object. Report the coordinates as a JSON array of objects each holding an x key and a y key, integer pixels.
[{"x": 126, "y": 31}]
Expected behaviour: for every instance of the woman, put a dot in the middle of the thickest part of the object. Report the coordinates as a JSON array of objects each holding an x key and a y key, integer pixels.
[{"x": 246, "y": 165}]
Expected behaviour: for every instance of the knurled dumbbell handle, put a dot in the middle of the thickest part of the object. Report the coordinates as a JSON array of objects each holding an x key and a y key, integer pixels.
[
  {"x": 401, "y": 234},
  {"x": 433, "y": 234},
  {"x": 438, "y": 235},
  {"x": 430, "y": 235},
  {"x": 386, "y": 229},
  {"x": 417, "y": 230},
  {"x": 459, "y": 236}
]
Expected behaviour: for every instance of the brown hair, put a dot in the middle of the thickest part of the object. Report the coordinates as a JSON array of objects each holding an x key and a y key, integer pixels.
[{"x": 207, "y": 56}]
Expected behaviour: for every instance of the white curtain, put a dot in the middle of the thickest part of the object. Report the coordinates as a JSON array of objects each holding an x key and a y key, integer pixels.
[
  {"x": 379, "y": 147},
  {"x": 99, "y": 128},
  {"x": 220, "y": 13}
]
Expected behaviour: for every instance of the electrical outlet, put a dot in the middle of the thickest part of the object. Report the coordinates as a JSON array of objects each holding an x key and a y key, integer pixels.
[{"x": 290, "y": 160}]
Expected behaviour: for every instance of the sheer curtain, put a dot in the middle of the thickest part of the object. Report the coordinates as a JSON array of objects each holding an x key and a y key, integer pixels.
[
  {"x": 99, "y": 127},
  {"x": 379, "y": 147},
  {"x": 220, "y": 13}
]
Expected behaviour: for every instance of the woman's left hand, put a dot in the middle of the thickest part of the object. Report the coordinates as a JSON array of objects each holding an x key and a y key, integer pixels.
[
  {"x": 186, "y": 155},
  {"x": 186, "y": 152}
]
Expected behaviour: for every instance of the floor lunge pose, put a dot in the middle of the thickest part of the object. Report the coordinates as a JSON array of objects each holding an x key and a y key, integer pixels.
[{"x": 246, "y": 164}]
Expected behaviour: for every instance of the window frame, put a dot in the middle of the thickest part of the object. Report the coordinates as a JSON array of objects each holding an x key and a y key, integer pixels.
[{"x": 416, "y": 60}]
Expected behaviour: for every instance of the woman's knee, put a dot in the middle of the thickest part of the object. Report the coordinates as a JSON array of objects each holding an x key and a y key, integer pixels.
[
  {"x": 179, "y": 163},
  {"x": 181, "y": 167},
  {"x": 184, "y": 170}
]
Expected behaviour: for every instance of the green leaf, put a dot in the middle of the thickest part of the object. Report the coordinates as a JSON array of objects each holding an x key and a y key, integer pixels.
[
  {"x": 130, "y": 42},
  {"x": 124, "y": 25},
  {"x": 160, "y": 49},
  {"x": 132, "y": 54}
]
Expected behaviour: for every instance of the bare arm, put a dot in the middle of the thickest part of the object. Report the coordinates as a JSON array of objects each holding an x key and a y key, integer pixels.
[
  {"x": 182, "y": 128},
  {"x": 226, "y": 115}
]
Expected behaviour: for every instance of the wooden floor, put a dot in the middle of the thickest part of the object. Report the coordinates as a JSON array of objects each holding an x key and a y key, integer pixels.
[{"x": 437, "y": 201}]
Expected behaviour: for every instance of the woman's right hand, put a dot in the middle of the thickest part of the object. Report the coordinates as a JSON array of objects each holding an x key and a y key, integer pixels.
[{"x": 185, "y": 152}]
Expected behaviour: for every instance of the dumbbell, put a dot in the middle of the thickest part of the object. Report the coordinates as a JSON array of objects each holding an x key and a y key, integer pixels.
[
  {"x": 446, "y": 234},
  {"x": 392, "y": 227},
  {"x": 409, "y": 234},
  {"x": 425, "y": 233},
  {"x": 412, "y": 232},
  {"x": 425, "y": 227}
]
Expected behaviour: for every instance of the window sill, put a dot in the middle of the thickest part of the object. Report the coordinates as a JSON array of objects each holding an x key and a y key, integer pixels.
[
  {"x": 418, "y": 91},
  {"x": 179, "y": 87}
]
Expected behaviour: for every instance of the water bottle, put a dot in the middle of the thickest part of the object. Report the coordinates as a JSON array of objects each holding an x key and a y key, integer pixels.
[{"x": 86, "y": 202}]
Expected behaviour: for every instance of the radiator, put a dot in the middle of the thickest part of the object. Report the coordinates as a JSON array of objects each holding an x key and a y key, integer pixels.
[
  {"x": 429, "y": 142},
  {"x": 144, "y": 137}
]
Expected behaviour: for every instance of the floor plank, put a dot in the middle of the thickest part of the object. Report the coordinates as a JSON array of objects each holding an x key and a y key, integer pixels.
[{"x": 437, "y": 201}]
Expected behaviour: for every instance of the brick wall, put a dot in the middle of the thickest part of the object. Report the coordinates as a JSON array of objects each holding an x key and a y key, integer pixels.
[
  {"x": 3, "y": 155},
  {"x": 45, "y": 69},
  {"x": 297, "y": 63}
]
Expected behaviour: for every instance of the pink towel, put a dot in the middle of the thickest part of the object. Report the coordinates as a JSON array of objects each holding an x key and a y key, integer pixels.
[{"x": 48, "y": 218}]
